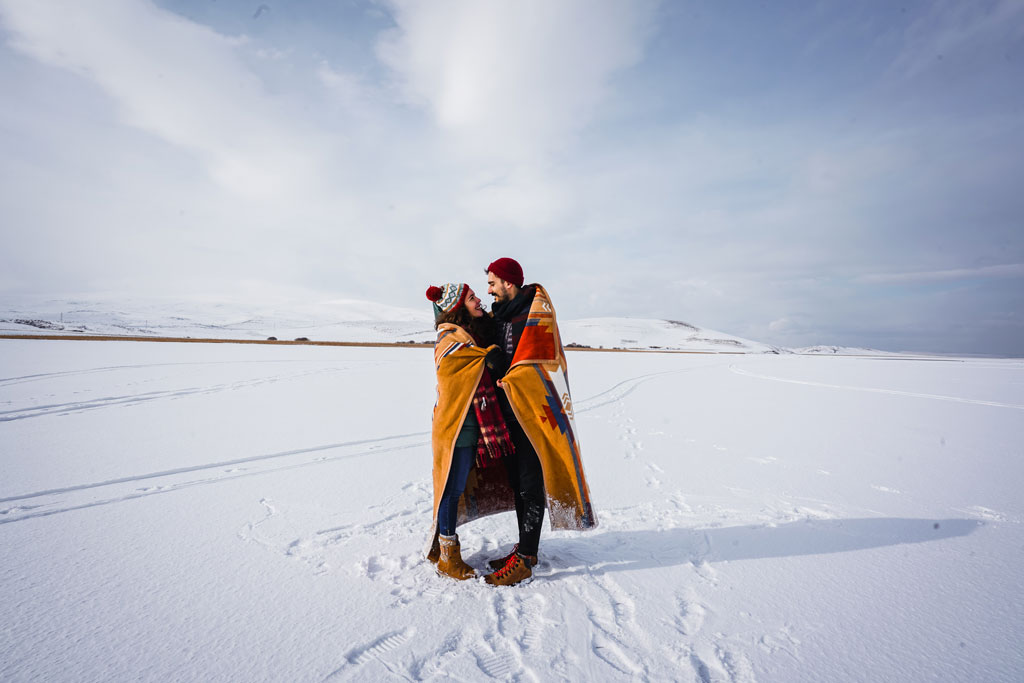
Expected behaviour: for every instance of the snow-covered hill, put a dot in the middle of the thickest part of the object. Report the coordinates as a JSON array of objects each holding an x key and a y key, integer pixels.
[
  {"x": 821, "y": 350},
  {"x": 331, "y": 320},
  {"x": 346, "y": 320},
  {"x": 635, "y": 333}
]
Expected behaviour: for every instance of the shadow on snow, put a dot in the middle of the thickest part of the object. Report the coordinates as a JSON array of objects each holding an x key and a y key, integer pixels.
[{"x": 647, "y": 548}]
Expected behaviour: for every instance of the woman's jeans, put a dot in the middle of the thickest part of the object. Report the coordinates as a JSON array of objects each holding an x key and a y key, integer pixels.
[{"x": 448, "y": 510}]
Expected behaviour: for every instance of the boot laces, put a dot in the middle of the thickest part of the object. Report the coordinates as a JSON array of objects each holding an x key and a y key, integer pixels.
[
  {"x": 515, "y": 551},
  {"x": 509, "y": 566}
]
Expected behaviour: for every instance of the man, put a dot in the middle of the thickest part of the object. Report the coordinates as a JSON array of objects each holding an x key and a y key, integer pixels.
[{"x": 535, "y": 400}]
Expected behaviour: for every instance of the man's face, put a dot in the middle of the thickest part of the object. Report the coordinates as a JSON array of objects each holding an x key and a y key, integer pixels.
[{"x": 498, "y": 288}]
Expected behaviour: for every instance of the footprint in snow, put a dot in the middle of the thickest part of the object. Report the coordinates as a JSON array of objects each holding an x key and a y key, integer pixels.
[
  {"x": 700, "y": 668},
  {"x": 494, "y": 664},
  {"x": 737, "y": 665},
  {"x": 533, "y": 613},
  {"x": 721, "y": 666},
  {"x": 375, "y": 565},
  {"x": 378, "y": 649},
  {"x": 783, "y": 641},
  {"x": 614, "y": 656},
  {"x": 679, "y": 501},
  {"x": 691, "y": 616}
]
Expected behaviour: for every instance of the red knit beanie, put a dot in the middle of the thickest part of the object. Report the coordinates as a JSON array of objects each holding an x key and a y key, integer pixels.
[{"x": 508, "y": 270}]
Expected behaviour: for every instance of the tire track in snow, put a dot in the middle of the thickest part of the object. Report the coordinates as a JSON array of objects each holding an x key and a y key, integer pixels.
[
  {"x": 627, "y": 386},
  {"x": 893, "y": 392},
  {"x": 78, "y": 497},
  {"x": 624, "y": 388},
  {"x": 7, "y": 381},
  {"x": 137, "y": 398},
  {"x": 624, "y": 423}
]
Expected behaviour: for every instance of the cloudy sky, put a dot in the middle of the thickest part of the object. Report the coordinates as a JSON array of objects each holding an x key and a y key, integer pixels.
[{"x": 791, "y": 172}]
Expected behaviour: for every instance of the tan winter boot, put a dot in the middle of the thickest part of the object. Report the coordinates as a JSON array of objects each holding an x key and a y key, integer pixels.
[
  {"x": 516, "y": 570},
  {"x": 450, "y": 562}
]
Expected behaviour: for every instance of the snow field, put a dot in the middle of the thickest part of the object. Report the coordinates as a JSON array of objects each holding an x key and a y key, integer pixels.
[{"x": 228, "y": 512}]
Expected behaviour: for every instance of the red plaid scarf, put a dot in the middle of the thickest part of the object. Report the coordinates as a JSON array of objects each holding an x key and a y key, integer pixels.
[{"x": 494, "y": 438}]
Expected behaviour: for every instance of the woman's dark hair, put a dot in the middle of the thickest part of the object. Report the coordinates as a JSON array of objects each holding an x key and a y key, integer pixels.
[{"x": 484, "y": 329}]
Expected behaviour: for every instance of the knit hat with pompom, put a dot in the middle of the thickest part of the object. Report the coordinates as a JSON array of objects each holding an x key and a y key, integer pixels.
[{"x": 447, "y": 297}]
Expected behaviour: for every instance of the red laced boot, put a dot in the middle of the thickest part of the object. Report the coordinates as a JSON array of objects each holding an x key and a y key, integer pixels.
[
  {"x": 502, "y": 561},
  {"x": 516, "y": 570}
]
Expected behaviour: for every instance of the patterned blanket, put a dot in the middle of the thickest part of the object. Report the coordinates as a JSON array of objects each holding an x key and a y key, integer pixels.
[{"x": 538, "y": 389}]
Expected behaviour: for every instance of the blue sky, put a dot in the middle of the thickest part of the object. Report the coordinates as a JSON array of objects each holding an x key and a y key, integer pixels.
[{"x": 796, "y": 173}]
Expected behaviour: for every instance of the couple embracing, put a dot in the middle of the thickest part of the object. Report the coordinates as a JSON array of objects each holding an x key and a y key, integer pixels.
[{"x": 503, "y": 433}]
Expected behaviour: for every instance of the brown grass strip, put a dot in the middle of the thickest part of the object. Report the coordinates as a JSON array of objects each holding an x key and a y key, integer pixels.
[
  {"x": 201, "y": 340},
  {"x": 376, "y": 345}
]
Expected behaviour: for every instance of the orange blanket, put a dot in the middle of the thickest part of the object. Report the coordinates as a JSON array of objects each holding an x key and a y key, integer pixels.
[
  {"x": 538, "y": 389},
  {"x": 459, "y": 365}
]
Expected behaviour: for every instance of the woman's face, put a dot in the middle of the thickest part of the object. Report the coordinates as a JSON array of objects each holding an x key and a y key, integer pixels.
[{"x": 474, "y": 305}]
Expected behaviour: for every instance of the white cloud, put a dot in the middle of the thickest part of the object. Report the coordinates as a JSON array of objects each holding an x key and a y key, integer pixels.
[
  {"x": 513, "y": 79},
  {"x": 173, "y": 78},
  {"x": 1009, "y": 270}
]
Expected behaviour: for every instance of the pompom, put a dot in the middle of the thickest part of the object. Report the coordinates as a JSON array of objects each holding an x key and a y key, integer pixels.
[{"x": 434, "y": 294}]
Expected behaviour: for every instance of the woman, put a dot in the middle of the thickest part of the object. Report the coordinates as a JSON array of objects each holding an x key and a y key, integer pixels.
[{"x": 469, "y": 433}]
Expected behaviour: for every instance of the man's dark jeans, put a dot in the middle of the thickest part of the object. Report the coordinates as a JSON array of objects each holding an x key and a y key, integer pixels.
[{"x": 527, "y": 480}]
